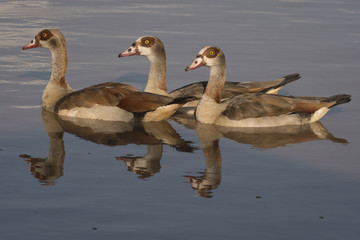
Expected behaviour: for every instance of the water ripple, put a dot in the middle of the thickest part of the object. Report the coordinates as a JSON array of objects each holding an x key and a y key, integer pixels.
[{"x": 34, "y": 82}]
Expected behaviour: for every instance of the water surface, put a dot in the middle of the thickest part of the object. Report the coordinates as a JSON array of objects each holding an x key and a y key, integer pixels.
[{"x": 176, "y": 179}]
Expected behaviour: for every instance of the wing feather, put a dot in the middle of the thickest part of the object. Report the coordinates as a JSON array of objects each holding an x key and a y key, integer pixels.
[{"x": 112, "y": 94}]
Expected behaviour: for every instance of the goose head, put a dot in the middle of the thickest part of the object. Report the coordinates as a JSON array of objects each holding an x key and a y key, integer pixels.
[
  {"x": 153, "y": 49},
  {"x": 210, "y": 56},
  {"x": 148, "y": 46},
  {"x": 47, "y": 38}
]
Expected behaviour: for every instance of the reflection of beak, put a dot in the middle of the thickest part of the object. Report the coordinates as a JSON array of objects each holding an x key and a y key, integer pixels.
[
  {"x": 198, "y": 62},
  {"x": 32, "y": 44},
  {"x": 129, "y": 52},
  {"x": 194, "y": 182},
  {"x": 129, "y": 161},
  {"x": 30, "y": 160}
]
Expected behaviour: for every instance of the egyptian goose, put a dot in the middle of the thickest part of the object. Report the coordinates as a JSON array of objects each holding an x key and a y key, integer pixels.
[
  {"x": 253, "y": 109},
  {"x": 107, "y": 101},
  {"x": 152, "y": 48}
]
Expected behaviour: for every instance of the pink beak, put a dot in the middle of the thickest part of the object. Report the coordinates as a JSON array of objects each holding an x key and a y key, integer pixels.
[
  {"x": 129, "y": 52},
  {"x": 32, "y": 44},
  {"x": 198, "y": 62}
]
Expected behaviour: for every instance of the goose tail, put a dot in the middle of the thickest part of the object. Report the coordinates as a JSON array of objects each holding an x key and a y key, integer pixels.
[
  {"x": 282, "y": 82},
  {"x": 339, "y": 99}
]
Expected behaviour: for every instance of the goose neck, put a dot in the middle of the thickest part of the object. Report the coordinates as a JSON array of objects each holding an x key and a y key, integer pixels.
[
  {"x": 57, "y": 86},
  {"x": 59, "y": 66},
  {"x": 157, "y": 75},
  {"x": 216, "y": 83}
]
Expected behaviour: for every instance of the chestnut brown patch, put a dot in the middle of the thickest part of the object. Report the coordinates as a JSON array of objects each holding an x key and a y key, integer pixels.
[
  {"x": 45, "y": 35},
  {"x": 147, "y": 41},
  {"x": 138, "y": 102},
  {"x": 211, "y": 52},
  {"x": 310, "y": 107}
]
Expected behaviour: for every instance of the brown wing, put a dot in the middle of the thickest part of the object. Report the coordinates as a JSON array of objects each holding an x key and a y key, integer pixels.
[
  {"x": 197, "y": 89},
  {"x": 111, "y": 85},
  {"x": 112, "y": 94},
  {"x": 100, "y": 94},
  {"x": 261, "y": 105},
  {"x": 232, "y": 89},
  {"x": 257, "y": 105},
  {"x": 256, "y": 87},
  {"x": 142, "y": 101},
  {"x": 193, "y": 89}
]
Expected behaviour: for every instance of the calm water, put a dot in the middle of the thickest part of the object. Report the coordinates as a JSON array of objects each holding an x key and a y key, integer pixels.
[{"x": 175, "y": 180}]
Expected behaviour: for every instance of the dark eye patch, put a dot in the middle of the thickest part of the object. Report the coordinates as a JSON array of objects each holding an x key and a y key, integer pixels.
[
  {"x": 147, "y": 41},
  {"x": 211, "y": 52},
  {"x": 45, "y": 35}
]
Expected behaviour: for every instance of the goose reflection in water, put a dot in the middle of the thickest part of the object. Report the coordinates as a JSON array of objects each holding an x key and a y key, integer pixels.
[
  {"x": 261, "y": 138},
  {"x": 149, "y": 164},
  {"x": 152, "y": 134},
  {"x": 48, "y": 169},
  {"x": 211, "y": 178}
]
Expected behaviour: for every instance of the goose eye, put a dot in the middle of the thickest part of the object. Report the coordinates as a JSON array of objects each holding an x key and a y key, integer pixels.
[
  {"x": 147, "y": 42},
  {"x": 211, "y": 52},
  {"x": 45, "y": 35}
]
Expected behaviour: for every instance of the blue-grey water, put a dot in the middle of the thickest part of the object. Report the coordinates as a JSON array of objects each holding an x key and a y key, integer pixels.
[{"x": 175, "y": 179}]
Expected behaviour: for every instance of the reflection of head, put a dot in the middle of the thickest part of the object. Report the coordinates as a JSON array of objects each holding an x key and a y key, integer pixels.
[
  {"x": 205, "y": 183},
  {"x": 143, "y": 168},
  {"x": 44, "y": 169},
  {"x": 147, "y": 165},
  {"x": 50, "y": 168}
]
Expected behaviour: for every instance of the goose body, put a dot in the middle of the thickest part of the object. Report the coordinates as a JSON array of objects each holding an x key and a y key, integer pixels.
[
  {"x": 253, "y": 109},
  {"x": 153, "y": 48},
  {"x": 106, "y": 101}
]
